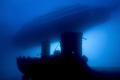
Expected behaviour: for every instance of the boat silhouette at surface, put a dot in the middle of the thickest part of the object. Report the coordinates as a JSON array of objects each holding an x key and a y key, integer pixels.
[{"x": 74, "y": 18}]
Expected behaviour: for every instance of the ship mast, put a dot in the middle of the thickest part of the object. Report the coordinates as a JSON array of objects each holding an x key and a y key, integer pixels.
[
  {"x": 45, "y": 51},
  {"x": 71, "y": 43}
]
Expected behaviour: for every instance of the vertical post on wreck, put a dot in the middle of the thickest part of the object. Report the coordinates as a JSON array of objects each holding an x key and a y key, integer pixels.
[
  {"x": 45, "y": 51},
  {"x": 77, "y": 43},
  {"x": 71, "y": 42}
]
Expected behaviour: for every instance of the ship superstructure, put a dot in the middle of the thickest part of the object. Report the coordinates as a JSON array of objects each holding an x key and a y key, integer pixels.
[{"x": 68, "y": 61}]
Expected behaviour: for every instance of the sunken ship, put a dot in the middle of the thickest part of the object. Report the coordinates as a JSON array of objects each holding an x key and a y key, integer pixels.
[
  {"x": 65, "y": 64},
  {"x": 69, "y": 62}
]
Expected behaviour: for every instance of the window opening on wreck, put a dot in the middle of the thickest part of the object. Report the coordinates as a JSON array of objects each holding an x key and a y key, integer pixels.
[{"x": 72, "y": 52}]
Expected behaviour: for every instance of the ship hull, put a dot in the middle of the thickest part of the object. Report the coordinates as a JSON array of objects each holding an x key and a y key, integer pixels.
[{"x": 61, "y": 67}]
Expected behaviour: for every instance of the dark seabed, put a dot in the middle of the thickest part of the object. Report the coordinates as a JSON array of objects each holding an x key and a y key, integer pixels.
[
  {"x": 106, "y": 69},
  {"x": 99, "y": 69}
]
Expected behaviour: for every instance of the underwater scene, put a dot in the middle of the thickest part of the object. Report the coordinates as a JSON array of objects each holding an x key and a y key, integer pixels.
[{"x": 44, "y": 37}]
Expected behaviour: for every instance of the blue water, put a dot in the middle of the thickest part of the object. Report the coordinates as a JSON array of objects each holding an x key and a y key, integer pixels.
[{"x": 101, "y": 47}]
